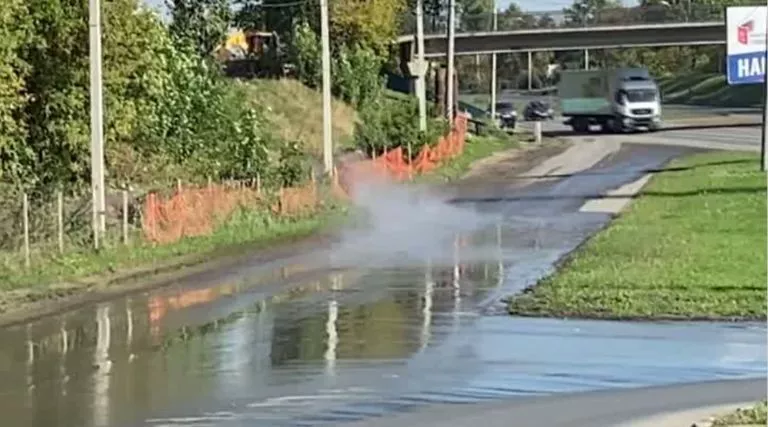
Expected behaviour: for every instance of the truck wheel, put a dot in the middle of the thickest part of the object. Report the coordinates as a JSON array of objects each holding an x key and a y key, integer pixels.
[
  {"x": 580, "y": 125},
  {"x": 617, "y": 126}
]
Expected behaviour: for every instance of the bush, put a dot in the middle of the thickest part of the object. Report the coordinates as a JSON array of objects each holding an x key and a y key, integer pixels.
[{"x": 386, "y": 124}]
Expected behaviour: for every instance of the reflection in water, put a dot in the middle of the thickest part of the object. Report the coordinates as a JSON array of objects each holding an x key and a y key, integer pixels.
[
  {"x": 103, "y": 366},
  {"x": 129, "y": 321},
  {"x": 429, "y": 285},
  {"x": 333, "y": 337},
  {"x": 500, "y": 256},
  {"x": 232, "y": 352}
]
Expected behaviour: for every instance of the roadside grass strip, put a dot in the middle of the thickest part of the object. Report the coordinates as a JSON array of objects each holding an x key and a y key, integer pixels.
[
  {"x": 754, "y": 416},
  {"x": 691, "y": 246}
]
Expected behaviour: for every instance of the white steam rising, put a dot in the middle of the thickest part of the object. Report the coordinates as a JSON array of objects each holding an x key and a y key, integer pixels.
[{"x": 405, "y": 224}]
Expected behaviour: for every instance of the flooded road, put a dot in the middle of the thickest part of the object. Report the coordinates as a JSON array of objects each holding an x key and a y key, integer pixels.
[{"x": 294, "y": 343}]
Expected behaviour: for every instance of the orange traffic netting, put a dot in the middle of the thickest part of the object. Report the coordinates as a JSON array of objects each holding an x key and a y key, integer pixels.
[
  {"x": 392, "y": 164},
  {"x": 195, "y": 211}
]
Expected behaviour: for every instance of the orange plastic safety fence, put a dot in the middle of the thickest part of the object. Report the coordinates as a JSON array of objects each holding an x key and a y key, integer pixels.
[
  {"x": 198, "y": 211},
  {"x": 192, "y": 212},
  {"x": 392, "y": 165},
  {"x": 297, "y": 201}
]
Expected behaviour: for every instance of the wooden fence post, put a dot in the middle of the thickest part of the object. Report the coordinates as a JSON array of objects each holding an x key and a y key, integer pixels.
[
  {"x": 25, "y": 220},
  {"x": 60, "y": 219},
  {"x": 125, "y": 216}
]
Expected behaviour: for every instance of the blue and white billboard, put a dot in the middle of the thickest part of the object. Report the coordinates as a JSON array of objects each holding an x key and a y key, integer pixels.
[{"x": 746, "y": 26}]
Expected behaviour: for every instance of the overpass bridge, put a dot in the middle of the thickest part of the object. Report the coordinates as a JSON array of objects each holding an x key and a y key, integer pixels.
[{"x": 558, "y": 39}]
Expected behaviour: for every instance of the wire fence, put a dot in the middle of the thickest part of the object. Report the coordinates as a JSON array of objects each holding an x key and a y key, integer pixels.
[
  {"x": 41, "y": 226},
  {"x": 660, "y": 13}
]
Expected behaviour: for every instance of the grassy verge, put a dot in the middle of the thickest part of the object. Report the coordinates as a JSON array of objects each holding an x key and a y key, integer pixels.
[
  {"x": 296, "y": 112},
  {"x": 692, "y": 246},
  {"x": 59, "y": 276},
  {"x": 708, "y": 89},
  {"x": 476, "y": 148},
  {"x": 754, "y": 416}
]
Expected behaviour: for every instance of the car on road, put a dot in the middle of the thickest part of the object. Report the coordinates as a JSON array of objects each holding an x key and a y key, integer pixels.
[
  {"x": 537, "y": 110},
  {"x": 506, "y": 115}
]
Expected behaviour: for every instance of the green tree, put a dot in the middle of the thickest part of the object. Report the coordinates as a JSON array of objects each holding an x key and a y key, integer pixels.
[
  {"x": 202, "y": 24},
  {"x": 306, "y": 55},
  {"x": 15, "y": 32},
  {"x": 372, "y": 23},
  {"x": 588, "y": 12},
  {"x": 57, "y": 111},
  {"x": 475, "y": 15}
]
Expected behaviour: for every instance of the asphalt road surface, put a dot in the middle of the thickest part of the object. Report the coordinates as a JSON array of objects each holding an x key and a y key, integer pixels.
[
  {"x": 742, "y": 133},
  {"x": 399, "y": 319}
]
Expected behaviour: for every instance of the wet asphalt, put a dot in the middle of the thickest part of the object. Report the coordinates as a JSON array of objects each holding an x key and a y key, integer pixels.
[{"x": 366, "y": 329}]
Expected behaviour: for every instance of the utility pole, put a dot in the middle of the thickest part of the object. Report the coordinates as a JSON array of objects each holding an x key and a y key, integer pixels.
[
  {"x": 419, "y": 69},
  {"x": 97, "y": 119},
  {"x": 327, "y": 129},
  {"x": 451, "y": 43},
  {"x": 493, "y": 65}
]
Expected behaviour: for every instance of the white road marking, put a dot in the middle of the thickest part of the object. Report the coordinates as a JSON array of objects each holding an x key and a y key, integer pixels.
[{"x": 617, "y": 199}]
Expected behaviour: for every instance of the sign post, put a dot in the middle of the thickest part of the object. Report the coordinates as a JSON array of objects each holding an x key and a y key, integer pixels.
[{"x": 747, "y": 51}]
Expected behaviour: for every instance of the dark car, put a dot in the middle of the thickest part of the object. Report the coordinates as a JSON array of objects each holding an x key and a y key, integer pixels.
[
  {"x": 506, "y": 115},
  {"x": 536, "y": 111}
]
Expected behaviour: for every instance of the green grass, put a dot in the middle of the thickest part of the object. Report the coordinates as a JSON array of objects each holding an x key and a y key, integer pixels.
[
  {"x": 754, "y": 416},
  {"x": 710, "y": 90},
  {"x": 692, "y": 246},
  {"x": 476, "y": 148},
  {"x": 76, "y": 270},
  {"x": 296, "y": 112}
]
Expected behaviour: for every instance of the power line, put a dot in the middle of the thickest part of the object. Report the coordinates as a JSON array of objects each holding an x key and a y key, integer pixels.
[{"x": 281, "y": 5}]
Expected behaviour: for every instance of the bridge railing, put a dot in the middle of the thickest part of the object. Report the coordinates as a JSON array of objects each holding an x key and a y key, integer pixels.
[{"x": 574, "y": 18}]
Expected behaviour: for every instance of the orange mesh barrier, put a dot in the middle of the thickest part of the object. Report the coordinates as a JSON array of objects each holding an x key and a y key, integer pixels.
[
  {"x": 190, "y": 212},
  {"x": 392, "y": 164}
]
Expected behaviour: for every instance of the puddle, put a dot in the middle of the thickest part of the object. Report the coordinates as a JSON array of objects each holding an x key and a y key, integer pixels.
[{"x": 355, "y": 343}]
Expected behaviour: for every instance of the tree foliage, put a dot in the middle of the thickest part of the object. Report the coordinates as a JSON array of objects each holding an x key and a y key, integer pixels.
[
  {"x": 371, "y": 23},
  {"x": 15, "y": 32},
  {"x": 168, "y": 111},
  {"x": 202, "y": 24}
]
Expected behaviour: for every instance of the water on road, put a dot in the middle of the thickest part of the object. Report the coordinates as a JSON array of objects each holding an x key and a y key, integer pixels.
[{"x": 298, "y": 344}]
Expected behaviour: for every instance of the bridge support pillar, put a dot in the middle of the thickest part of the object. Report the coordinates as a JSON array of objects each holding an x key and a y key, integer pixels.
[
  {"x": 530, "y": 70},
  {"x": 586, "y": 59},
  {"x": 406, "y": 56}
]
